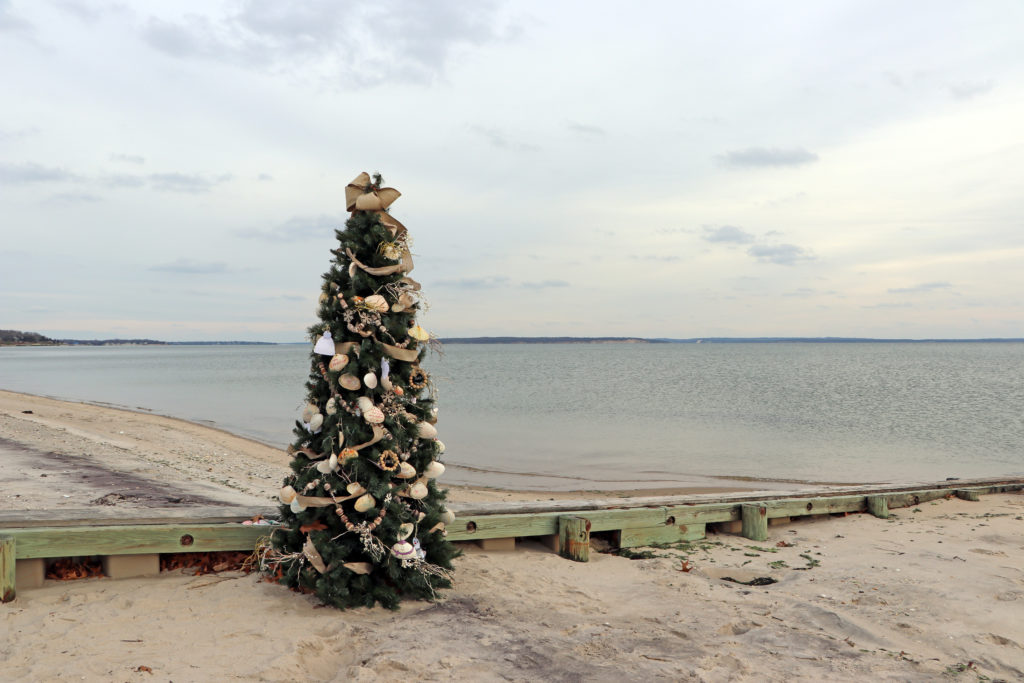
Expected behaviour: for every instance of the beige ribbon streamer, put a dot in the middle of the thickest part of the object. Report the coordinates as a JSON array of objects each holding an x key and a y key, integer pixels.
[
  {"x": 378, "y": 434},
  {"x": 404, "y": 267},
  {"x": 407, "y": 355},
  {"x": 313, "y": 555},
  {"x": 344, "y": 347},
  {"x": 377, "y": 199}
]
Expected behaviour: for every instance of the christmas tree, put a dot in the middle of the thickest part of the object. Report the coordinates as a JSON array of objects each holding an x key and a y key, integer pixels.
[{"x": 362, "y": 518}]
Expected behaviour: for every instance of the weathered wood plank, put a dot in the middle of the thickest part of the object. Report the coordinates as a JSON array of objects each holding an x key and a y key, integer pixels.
[
  {"x": 704, "y": 514},
  {"x": 627, "y": 518},
  {"x": 878, "y": 506},
  {"x": 800, "y": 507},
  {"x": 114, "y": 516},
  {"x": 755, "y": 521},
  {"x": 968, "y": 494},
  {"x": 130, "y": 540},
  {"x": 8, "y": 587},
  {"x": 666, "y": 533},
  {"x": 502, "y": 526},
  {"x": 574, "y": 538}
]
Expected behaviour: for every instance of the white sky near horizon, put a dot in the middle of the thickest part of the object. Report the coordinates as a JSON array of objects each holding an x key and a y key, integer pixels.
[{"x": 175, "y": 170}]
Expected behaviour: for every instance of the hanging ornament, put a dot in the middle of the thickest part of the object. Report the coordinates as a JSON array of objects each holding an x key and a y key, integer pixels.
[
  {"x": 420, "y": 553},
  {"x": 370, "y": 380},
  {"x": 350, "y": 382},
  {"x": 403, "y": 550},
  {"x": 374, "y": 416},
  {"x": 426, "y": 430},
  {"x": 448, "y": 517},
  {"x": 347, "y": 453},
  {"x": 308, "y": 411},
  {"x": 332, "y": 406},
  {"x": 365, "y": 502},
  {"x": 355, "y": 489},
  {"x": 406, "y": 471},
  {"x": 405, "y": 531},
  {"x": 316, "y": 423},
  {"x": 418, "y": 491},
  {"x": 338, "y": 362},
  {"x": 399, "y": 391},
  {"x": 418, "y": 378},
  {"x": 325, "y": 345},
  {"x": 329, "y": 465},
  {"x": 418, "y": 333},
  {"x": 296, "y": 506},
  {"x": 385, "y": 368},
  {"x": 433, "y": 470},
  {"x": 375, "y": 302},
  {"x": 404, "y": 303},
  {"x": 286, "y": 495},
  {"x": 388, "y": 461},
  {"x": 362, "y": 195},
  {"x": 351, "y": 270},
  {"x": 440, "y": 445},
  {"x": 390, "y": 250}
]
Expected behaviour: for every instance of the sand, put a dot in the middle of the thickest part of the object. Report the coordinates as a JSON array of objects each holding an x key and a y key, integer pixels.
[{"x": 934, "y": 593}]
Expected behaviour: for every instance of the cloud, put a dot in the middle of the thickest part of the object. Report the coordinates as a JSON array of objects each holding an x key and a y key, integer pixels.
[
  {"x": 264, "y": 177},
  {"x": 123, "y": 180},
  {"x": 128, "y": 158},
  {"x": 667, "y": 258},
  {"x": 190, "y": 267},
  {"x": 11, "y": 22},
  {"x": 498, "y": 139},
  {"x": 781, "y": 254},
  {"x": 585, "y": 128},
  {"x": 921, "y": 288},
  {"x": 968, "y": 90},
  {"x": 357, "y": 44},
  {"x": 729, "y": 234},
  {"x": 474, "y": 282},
  {"x": 20, "y": 174},
  {"x": 72, "y": 199},
  {"x": 544, "y": 284},
  {"x": 764, "y": 156},
  {"x": 180, "y": 182},
  {"x": 18, "y": 134},
  {"x": 298, "y": 228}
]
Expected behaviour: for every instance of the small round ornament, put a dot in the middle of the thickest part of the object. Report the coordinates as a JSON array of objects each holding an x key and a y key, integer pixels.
[
  {"x": 375, "y": 302},
  {"x": 406, "y": 471},
  {"x": 370, "y": 380},
  {"x": 316, "y": 422},
  {"x": 418, "y": 378},
  {"x": 388, "y": 461},
  {"x": 433, "y": 470},
  {"x": 374, "y": 416},
  {"x": 425, "y": 430},
  {"x": 448, "y": 517},
  {"x": 286, "y": 495},
  {"x": 403, "y": 550}
]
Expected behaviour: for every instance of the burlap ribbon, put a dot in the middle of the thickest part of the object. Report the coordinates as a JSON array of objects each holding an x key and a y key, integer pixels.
[
  {"x": 405, "y": 266},
  {"x": 357, "y": 198}
]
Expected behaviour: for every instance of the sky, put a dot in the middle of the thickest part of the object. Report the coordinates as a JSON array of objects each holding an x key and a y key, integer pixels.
[{"x": 176, "y": 170}]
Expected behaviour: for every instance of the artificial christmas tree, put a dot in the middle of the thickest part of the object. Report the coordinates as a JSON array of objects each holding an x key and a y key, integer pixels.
[{"x": 362, "y": 518}]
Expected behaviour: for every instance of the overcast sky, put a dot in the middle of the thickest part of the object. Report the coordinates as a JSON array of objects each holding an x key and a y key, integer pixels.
[{"x": 175, "y": 170}]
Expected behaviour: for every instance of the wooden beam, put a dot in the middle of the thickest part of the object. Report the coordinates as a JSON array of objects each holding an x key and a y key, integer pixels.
[
  {"x": 755, "y": 521},
  {"x": 574, "y": 538},
  {"x": 968, "y": 494},
  {"x": 666, "y": 533},
  {"x": 131, "y": 540},
  {"x": 878, "y": 506},
  {"x": 8, "y": 589}
]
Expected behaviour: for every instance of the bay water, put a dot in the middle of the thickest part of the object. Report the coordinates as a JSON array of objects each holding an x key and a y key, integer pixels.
[{"x": 607, "y": 416}]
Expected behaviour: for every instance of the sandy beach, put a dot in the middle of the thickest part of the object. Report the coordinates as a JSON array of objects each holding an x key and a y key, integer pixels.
[{"x": 933, "y": 593}]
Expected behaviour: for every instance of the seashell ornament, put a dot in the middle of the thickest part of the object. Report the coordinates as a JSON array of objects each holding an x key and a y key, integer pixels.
[
  {"x": 426, "y": 430},
  {"x": 364, "y": 403},
  {"x": 370, "y": 380},
  {"x": 375, "y": 302},
  {"x": 332, "y": 406},
  {"x": 308, "y": 411},
  {"x": 405, "y": 471},
  {"x": 403, "y": 550},
  {"x": 448, "y": 517},
  {"x": 440, "y": 445},
  {"x": 355, "y": 489},
  {"x": 405, "y": 531},
  {"x": 350, "y": 382},
  {"x": 329, "y": 465},
  {"x": 286, "y": 495},
  {"x": 374, "y": 416},
  {"x": 338, "y": 362},
  {"x": 352, "y": 269},
  {"x": 433, "y": 470},
  {"x": 365, "y": 502},
  {"x": 418, "y": 333},
  {"x": 418, "y": 491},
  {"x": 295, "y": 506},
  {"x": 316, "y": 422}
]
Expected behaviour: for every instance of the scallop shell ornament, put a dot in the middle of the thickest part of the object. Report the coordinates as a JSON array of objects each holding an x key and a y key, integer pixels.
[
  {"x": 352, "y": 269},
  {"x": 355, "y": 489},
  {"x": 364, "y": 403},
  {"x": 338, "y": 362},
  {"x": 308, "y": 411},
  {"x": 405, "y": 531},
  {"x": 329, "y": 465},
  {"x": 350, "y": 382},
  {"x": 316, "y": 422},
  {"x": 286, "y": 495},
  {"x": 332, "y": 406},
  {"x": 375, "y": 302},
  {"x": 374, "y": 416},
  {"x": 365, "y": 502},
  {"x": 426, "y": 430},
  {"x": 405, "y": 471},
  {"x": 370, "y": 380},
  {"x": 403, "y": 550},
  {"x": 433, "y": 470},
  {"x": 418, "y": 491},
  {"x": 448, "y": 517},
  {"x": 418, "y": 333}
]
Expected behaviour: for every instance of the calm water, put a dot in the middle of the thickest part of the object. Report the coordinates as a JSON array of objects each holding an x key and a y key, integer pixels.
[{"x": 615, "y": 415}]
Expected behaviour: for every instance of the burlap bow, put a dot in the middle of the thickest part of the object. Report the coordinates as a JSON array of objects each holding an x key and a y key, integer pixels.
[{"x": 361, "y": 195}]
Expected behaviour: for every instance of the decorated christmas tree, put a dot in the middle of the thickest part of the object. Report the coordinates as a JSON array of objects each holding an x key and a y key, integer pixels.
[{"x": 362, "y": 518}]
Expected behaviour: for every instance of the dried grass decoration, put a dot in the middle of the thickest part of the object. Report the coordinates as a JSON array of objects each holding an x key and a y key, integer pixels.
[
  {"x": 418, "y": 378},
  {"x": 388, "y": 461}
]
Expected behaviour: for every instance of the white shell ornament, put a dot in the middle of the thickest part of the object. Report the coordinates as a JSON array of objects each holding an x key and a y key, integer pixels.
[
  {"x": 403, "y": 550},
  {"x": 448, "y": 517},
  {"x": 350, "y": 382},
  {"x": 375, "y": 302},
  {"x": 329, "y": 465},
  {"x": 332, "y": 406},
  {"x": 355, "y": 489},
  {"x": 418, "y": 490},
  {"x": 418, "y": 333},
  {"x": 405, "y": 531},
  {"x": 364, "y": 403},
  {"x": 308, "y": 411},
  {"x": 286, "y": 495},
  {"x": 405, "y": 471},
  {"x": 370, "y": 380},
  {"x": 365, "y": 502},
  {"x": 433, "y": 470},
  {"x": 296, "y": 506},
  {"x": 352, "y": 269},
  {"x": 374, "y": 415},
  {"x": 440, "y": 446},
  {"x": 316, "y": 422},
  {"x": 426, "y": 430},
  {"x": 338, "y": 362}
]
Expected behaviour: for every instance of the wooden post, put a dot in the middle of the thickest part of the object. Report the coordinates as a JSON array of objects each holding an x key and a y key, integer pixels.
[
  {"x": 574, "y": 538},
  {"x": 7, "y": 564},
  {"x": 755, "y": 521},
  {"x": 878, "y": 506},
  {"x": 967, "y": 494}
]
